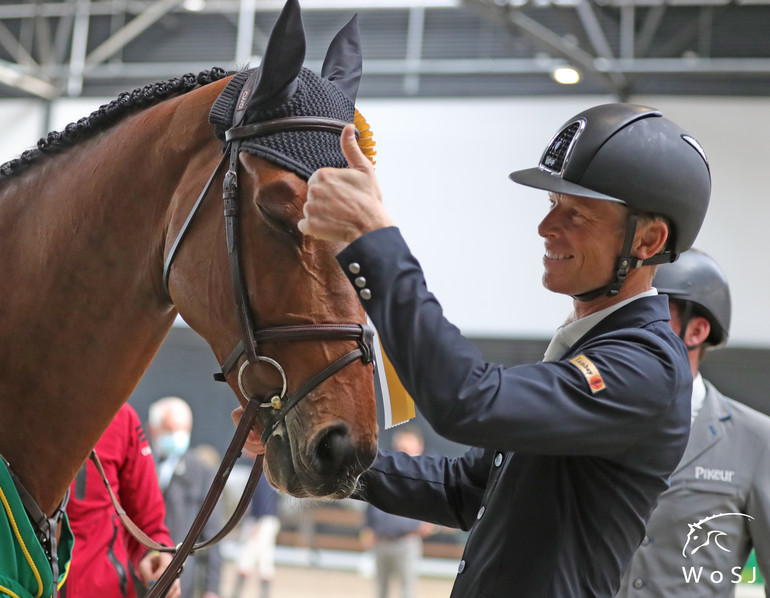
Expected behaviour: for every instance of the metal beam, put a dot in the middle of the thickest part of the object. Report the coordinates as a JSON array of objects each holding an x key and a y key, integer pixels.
[
  {"x": 12, "y": 76},
  {"x": 20, "y": 10},
  {"x": 599, "y": 41},
  {"x": 74, "y": 74},
  {"x": 648, "y": 30},
  {"x": 130, "y": 31},
  {"x": 156, "y": 71},
  {"x": 244, "y": 42},
  {"x": 627, "y": 32},
  {"x": 14, "y": 47},
  {"x": 552, "y": 42},
  {"x": 414, "y": 37},
  {"x": 44, "y": 40}
]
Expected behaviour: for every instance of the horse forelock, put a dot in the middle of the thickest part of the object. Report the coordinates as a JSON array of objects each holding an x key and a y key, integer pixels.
[{"x": 108, "y": 115}]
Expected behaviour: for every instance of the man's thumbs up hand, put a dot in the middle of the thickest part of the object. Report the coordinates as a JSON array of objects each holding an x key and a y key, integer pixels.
[{"x": 344, "y": 203}]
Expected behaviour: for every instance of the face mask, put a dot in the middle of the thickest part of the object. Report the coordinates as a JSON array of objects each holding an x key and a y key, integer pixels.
[{"x": 173, "y": 444}]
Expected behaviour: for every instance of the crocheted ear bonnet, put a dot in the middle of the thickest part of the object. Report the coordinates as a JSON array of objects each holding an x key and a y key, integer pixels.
[{"x": 282, "y": 87}]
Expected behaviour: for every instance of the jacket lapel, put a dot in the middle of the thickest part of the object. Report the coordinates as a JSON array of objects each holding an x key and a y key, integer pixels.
[{"x": 708, "y": 428}]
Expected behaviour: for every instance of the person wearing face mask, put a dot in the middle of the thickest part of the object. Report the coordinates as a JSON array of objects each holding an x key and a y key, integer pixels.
[{"x": 184, "y": 480}]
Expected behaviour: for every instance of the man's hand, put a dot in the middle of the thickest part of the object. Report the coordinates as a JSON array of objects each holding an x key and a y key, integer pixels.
[
  {"x": 344, "y": 203},
  {"x": 253, "y": 443},
  {"x": 152, "y": 566}
]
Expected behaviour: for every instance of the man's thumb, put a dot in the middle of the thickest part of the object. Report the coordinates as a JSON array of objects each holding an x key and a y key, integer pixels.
[{"x": 351, "y": 150}]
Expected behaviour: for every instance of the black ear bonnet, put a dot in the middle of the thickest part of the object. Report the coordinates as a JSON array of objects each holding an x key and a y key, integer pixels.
[
  {"x": 301, "y": 152},
  {"x": 281, "y": 87}
]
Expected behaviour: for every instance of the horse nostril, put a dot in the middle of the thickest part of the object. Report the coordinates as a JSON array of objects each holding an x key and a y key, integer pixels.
[{"x": 334, "y": 450}]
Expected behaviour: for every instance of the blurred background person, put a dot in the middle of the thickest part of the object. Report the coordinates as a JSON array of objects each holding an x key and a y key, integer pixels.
[
  {"x": 722, "y": 483},
  {"x": 395, "y": 541},
  {"x": 257, "y": 549},
  {"x": 184, "y": 478},
  {"x": 107, "y": 560}
]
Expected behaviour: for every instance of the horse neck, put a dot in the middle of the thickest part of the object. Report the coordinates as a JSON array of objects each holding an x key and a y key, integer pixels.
[{"x": 82, "y": 237}]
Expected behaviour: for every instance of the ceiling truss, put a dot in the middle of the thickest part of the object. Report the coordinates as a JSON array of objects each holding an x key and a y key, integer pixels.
[{"x": 50, "y": 49}]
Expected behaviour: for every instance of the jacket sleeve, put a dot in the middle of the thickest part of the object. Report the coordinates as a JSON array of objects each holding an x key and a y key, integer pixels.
[
  {"x": 543, "y": 408},
  {"x": 758, "y": 506},
  {"x": 140, "y": 493},
  {"x": 450, "y": 489}
]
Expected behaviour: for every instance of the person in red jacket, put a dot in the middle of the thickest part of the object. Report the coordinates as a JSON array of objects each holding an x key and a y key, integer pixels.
[{"x": 105, "y": 555}]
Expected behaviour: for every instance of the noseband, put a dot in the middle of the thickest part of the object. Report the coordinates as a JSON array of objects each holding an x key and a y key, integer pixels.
[{"x": 249, "y": 346}]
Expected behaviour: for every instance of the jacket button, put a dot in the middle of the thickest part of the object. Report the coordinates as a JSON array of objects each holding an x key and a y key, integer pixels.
[
  {"x": 354, "y": 267},
  {"x": 638, "y": 584},
  {"x": 360, "y": 282},
  {"x": 365, "y": 294},
  {"x": 481, "y": 512},
  {"x": 461, "y": 566},
  {"x": 646, "y": 541},
  {"x": 498, "y": 459}
]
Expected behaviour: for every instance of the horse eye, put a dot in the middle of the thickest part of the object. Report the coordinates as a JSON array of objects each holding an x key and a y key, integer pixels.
[{"x": 277, "y": 222}]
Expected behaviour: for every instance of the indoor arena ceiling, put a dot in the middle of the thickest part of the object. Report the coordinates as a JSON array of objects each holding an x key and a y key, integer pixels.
[{"x": 428, "y": 48}]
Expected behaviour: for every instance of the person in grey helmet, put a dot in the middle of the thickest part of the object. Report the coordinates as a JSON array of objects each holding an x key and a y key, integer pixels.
[
  {"x": 567, "y": 456},
  {"x": 718, "y": 506}
]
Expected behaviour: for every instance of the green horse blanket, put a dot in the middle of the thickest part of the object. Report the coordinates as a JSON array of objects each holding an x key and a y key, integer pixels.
[{"x": 24, "y": 568}]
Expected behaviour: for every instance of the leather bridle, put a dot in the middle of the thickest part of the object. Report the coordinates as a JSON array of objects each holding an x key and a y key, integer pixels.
[
  {"x": 251, "y": 338},
  {"x": 281, "y": 402}
]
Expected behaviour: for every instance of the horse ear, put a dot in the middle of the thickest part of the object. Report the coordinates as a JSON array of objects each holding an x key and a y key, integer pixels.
[
  {"x": 343, "y": 59},
  {"x": 282, "y": 62}
]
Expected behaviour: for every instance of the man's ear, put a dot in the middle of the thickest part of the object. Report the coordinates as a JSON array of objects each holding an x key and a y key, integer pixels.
[
  {"x": 698, "y": 330},
  {"x": 650, "y": 238}
]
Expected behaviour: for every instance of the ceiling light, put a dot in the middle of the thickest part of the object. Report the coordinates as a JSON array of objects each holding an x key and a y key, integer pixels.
[
  {"x": 566, "y": 75},
  {"x": 194, "y": 5}
]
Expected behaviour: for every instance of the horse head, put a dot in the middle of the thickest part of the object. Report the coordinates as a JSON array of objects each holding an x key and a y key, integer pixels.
[{"x": 320, "y": 433}]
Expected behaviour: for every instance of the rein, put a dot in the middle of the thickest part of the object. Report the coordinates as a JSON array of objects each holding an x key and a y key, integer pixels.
[{"x": 280, "y": 401}]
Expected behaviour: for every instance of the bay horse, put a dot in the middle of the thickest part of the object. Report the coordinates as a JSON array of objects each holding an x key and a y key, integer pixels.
[{"x": 90, "y": 220}]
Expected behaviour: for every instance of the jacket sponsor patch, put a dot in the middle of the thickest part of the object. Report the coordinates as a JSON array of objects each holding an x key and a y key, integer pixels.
[{"x": 590, "y": 371}]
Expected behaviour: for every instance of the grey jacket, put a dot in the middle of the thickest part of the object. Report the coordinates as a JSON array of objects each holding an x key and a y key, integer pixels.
[
  {"x": 725, "y": 471},
  {"x": 184, "y": 496}
]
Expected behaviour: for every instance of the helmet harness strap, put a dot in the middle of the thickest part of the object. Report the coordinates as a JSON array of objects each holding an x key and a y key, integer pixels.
[{"x": 623, "y": 264}]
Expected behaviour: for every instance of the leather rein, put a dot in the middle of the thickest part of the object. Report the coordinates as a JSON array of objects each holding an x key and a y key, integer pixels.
[{"x": 279, "y": 401}]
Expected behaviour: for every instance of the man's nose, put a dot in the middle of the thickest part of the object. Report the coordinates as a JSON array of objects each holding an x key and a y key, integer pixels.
[{"x": 548, "y": 224}]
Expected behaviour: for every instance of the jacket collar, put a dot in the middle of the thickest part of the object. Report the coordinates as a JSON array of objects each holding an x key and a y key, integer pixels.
[{"x": 636, "y": 314}]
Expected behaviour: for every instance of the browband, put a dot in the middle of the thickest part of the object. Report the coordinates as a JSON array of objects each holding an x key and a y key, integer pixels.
[{"x": 287, "y": 123}]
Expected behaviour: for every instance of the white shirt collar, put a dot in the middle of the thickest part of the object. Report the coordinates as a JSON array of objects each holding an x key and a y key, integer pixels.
[
  {"x": 698, "y": 396},
  {"x": 569, "y": 334}
]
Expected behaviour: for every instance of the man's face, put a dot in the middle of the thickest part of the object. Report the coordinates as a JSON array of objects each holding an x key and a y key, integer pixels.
[{"x": 583, "y": 238}]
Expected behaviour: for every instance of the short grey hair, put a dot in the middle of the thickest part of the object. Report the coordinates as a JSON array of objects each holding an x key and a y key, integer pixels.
[{"x": 159, "y": 408}]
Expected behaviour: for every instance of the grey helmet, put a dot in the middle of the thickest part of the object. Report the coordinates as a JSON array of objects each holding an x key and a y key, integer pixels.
[
  {"x": 696, "y": 279},
  {"x": 633, "y": 155}
]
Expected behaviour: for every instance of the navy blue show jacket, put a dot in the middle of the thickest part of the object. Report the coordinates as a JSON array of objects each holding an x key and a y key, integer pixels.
[{"x": 568, "y": 457}]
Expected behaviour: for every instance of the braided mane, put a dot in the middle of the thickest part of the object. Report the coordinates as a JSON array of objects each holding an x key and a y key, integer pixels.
[{"x": 107, "y": 115}]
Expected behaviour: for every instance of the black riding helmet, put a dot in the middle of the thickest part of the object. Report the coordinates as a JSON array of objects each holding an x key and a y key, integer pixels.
[
  {"x": 697, "y": 282},
  {"x": 632, "y": 155}
]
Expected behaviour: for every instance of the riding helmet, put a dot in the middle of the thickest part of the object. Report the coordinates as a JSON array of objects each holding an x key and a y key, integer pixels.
[
  {"x": 696, "y": 278},
  {"x": 633, "y": 155}
]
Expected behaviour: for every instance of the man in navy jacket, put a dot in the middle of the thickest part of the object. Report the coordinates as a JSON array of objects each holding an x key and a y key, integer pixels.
[{"x": 570, "y": 454}]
